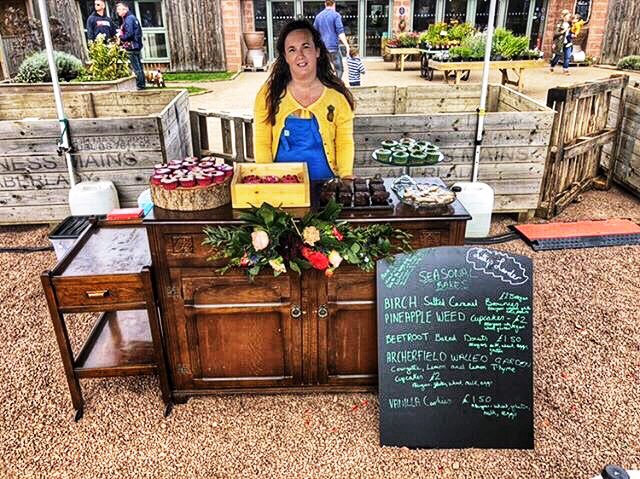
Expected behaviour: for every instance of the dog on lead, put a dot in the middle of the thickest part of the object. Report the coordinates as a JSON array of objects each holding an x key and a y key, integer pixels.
[{"x": 155, "y": 78}]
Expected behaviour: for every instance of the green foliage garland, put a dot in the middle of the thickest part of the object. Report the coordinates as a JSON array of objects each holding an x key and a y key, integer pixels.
[{"x": 272, "y": 238}]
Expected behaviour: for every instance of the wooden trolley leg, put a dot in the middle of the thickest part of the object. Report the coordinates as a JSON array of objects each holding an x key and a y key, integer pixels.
[
  {"x": 458, "y": 76},
  {"x": 154, "y": 326},
  {"x": 66, "y": 352},
  {"x": 446, "y": 76}
]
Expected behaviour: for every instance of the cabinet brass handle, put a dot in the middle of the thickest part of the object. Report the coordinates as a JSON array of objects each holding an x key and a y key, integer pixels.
[
  {"x": 101, "y": 293},
  {"x": 296, "y": 312},
  {"x": 323, "y": 311}
]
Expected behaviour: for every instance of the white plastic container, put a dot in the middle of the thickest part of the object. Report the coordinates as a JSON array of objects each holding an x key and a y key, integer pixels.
[
  {"x": 93, "y": 198},
  {"x": 477, "y": 198}
]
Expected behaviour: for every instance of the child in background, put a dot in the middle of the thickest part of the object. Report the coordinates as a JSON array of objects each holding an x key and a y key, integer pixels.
[
  {"x": 356, "y": 67},
  {"x": 577, "y": 24}
]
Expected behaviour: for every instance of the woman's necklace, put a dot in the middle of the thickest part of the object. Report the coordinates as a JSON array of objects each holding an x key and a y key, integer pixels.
[{"x": 306, "y": 95}]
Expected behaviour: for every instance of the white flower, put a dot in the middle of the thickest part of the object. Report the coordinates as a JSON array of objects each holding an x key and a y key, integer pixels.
[
  {"x": 334, "y": 258},
  {"x": 259, "y": 239}
]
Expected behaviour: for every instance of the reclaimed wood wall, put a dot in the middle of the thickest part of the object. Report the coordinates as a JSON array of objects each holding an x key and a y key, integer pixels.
[
  {"x": 195, "y": 35},
  {"x": 622, "y": 31},
  {"x": 627, "y": 170},
  {"x": 517, "y": 133},
  {"x": 115, "y": 136}
]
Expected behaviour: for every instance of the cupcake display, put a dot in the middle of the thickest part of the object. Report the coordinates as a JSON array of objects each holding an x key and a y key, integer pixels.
[
  {"x": 408, "y": 152},
  {"x": 191, "y": 184}
]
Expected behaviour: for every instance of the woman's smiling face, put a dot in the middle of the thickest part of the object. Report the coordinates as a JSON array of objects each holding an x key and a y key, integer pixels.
[{"x": 301, "y": 54}]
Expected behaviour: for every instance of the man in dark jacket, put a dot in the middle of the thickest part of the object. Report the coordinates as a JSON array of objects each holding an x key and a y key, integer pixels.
[
  {"x": 100, "y": 23},
  {"x": 130, "y": 37}
]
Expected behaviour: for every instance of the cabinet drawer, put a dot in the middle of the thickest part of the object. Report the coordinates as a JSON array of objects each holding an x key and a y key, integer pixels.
[{"x": 99, "y": 293}]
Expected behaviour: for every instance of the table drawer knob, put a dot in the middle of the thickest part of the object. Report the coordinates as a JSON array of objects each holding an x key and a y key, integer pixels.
[
  {"x": 296, "y": 312},
  {"x": 100, "y": 293},
  {"x": 323, "y": 311}
]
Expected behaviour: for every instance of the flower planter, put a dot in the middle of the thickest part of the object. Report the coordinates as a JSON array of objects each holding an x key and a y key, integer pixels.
[
  {"x": 123, "y": 84},
  {"x": 254, "y": 40}
]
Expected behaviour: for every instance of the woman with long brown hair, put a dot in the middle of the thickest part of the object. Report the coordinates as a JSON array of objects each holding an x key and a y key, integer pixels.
[{"x": 304, "y": 112}]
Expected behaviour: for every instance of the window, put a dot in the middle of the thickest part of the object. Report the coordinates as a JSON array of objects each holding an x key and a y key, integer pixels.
[
  {"x": 518, "y": 16},
  {"x": 424, "y": 14},
  {"x": 455, "y": 10},
  {"x": 154, "y": 30}
]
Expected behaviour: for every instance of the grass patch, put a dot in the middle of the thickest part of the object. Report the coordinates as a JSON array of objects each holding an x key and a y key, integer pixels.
[
  {"x": 193, "y": 90},
  {"x": 198, "y": 76}
]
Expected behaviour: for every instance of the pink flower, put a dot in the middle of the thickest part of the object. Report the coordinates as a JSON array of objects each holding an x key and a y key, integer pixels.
[
  {"x": 259, "y": 239},
  {"x": 336, "y": 233}
]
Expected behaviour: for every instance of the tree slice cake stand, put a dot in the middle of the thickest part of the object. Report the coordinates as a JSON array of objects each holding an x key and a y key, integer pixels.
[{"x": 192, "y": 199}]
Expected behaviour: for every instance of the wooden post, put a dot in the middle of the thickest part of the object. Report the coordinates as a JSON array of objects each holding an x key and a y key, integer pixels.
[
  {"x": 238, "y": 127},
  {"x": 618, "y": 138}
]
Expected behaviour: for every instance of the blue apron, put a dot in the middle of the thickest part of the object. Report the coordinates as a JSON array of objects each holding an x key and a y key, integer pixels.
[{"x": 300, "y": 141}]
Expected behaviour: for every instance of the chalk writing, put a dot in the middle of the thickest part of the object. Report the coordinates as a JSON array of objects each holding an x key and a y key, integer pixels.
[
  {"x": 456, "y": 338},
  {"x": 497, "y": 264}
]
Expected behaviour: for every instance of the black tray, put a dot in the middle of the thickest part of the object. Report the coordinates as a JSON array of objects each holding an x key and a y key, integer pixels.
[{"x": 388, "y": 206}]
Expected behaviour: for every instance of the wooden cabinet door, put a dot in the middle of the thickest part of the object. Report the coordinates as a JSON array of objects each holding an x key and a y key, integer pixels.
[
  {"x": 346, "y": 319},
  {"x": 242, "y": 334}
]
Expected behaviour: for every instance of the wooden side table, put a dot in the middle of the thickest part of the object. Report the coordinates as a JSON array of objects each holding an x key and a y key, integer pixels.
[{"x": 108, "y": 270}]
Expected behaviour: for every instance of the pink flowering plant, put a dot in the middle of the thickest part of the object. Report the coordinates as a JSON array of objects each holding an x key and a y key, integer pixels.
[{"x": 272, "y": 238}]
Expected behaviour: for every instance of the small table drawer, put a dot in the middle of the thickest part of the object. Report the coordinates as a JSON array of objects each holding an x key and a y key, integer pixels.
[{"x": 99, "y": 293}]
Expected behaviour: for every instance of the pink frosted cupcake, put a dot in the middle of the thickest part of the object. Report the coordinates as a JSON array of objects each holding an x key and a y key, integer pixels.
[
  {"x": 187, "y": 182},
  {"x": 156, "y": 179},
  {"x": 169, "y": 183},
  {"x": 218, "y": 176}
]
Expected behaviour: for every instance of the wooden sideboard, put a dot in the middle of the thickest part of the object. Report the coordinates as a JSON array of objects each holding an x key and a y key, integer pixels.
[{"x": 224, "y": 334}]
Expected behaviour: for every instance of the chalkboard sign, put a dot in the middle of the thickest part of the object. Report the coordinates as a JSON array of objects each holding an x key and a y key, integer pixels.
[
  {"x": 583, "y": 8},
  {"x": 455, "y": 349}
]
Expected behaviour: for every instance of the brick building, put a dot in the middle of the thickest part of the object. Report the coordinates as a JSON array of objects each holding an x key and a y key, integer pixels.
[{"x": 206, "y": 35}]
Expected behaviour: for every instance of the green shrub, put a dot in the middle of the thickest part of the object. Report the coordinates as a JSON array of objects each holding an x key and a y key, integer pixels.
[
  {"x": 632, "y": 62},
  {"x": 461, "y": 31},
  {"x": 108, "y": 62},
  {"x": 510, "y": 46},
  {"x": 474, "y": 46},
  {"x": 35, "y": 68}
]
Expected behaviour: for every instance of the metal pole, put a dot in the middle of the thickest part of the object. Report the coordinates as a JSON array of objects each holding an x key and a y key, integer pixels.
[
  {"x": 64, "y": 143},
  {"x": 484, "y": 90}
]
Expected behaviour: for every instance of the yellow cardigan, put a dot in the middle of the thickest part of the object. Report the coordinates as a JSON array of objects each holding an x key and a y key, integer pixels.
[{"x": 336, "y": 130}]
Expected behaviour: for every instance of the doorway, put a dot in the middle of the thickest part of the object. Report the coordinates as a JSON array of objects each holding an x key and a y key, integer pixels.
[{"x": 365, "y": 21}]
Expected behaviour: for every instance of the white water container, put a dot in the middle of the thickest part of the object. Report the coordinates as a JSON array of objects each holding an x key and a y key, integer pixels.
[
  {"x": 93, "y": 198},
  {"x": 477, "y": 198}
]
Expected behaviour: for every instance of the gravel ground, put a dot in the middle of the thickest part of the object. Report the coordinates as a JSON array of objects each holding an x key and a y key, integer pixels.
[{"x": 587, "y": 383}]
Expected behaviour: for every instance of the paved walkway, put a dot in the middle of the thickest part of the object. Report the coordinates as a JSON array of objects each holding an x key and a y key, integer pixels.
[{"x": 240, "y": 93}]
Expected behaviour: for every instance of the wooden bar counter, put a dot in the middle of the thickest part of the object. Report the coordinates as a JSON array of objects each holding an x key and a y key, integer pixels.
[{"x": 289, "y": 333}]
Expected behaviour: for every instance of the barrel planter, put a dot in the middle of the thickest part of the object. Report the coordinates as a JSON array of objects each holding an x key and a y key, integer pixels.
[{"x": 115, "y": 136}]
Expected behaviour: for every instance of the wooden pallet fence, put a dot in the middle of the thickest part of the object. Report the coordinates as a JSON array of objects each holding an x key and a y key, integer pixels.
[
  {"x": 581, "y": 129},
  {"x": 517, "y": 132},
  {"x": 627, "y": 166},
  {"x": 115, "y": 136}
]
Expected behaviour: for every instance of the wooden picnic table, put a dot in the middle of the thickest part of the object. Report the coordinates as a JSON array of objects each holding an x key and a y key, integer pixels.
[
  {"x": 460, "y": 69},
  {"x": 401, "y": 55}
]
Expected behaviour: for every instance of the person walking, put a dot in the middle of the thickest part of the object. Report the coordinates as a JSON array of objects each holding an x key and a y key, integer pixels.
[
  {"x": 356, "y": 67},
  {"x": 130, "y": 38},
  {"x": 329, "y": 23},
  {"x": 562, "y": 43},
  {"x": 100, "y": 23}
]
